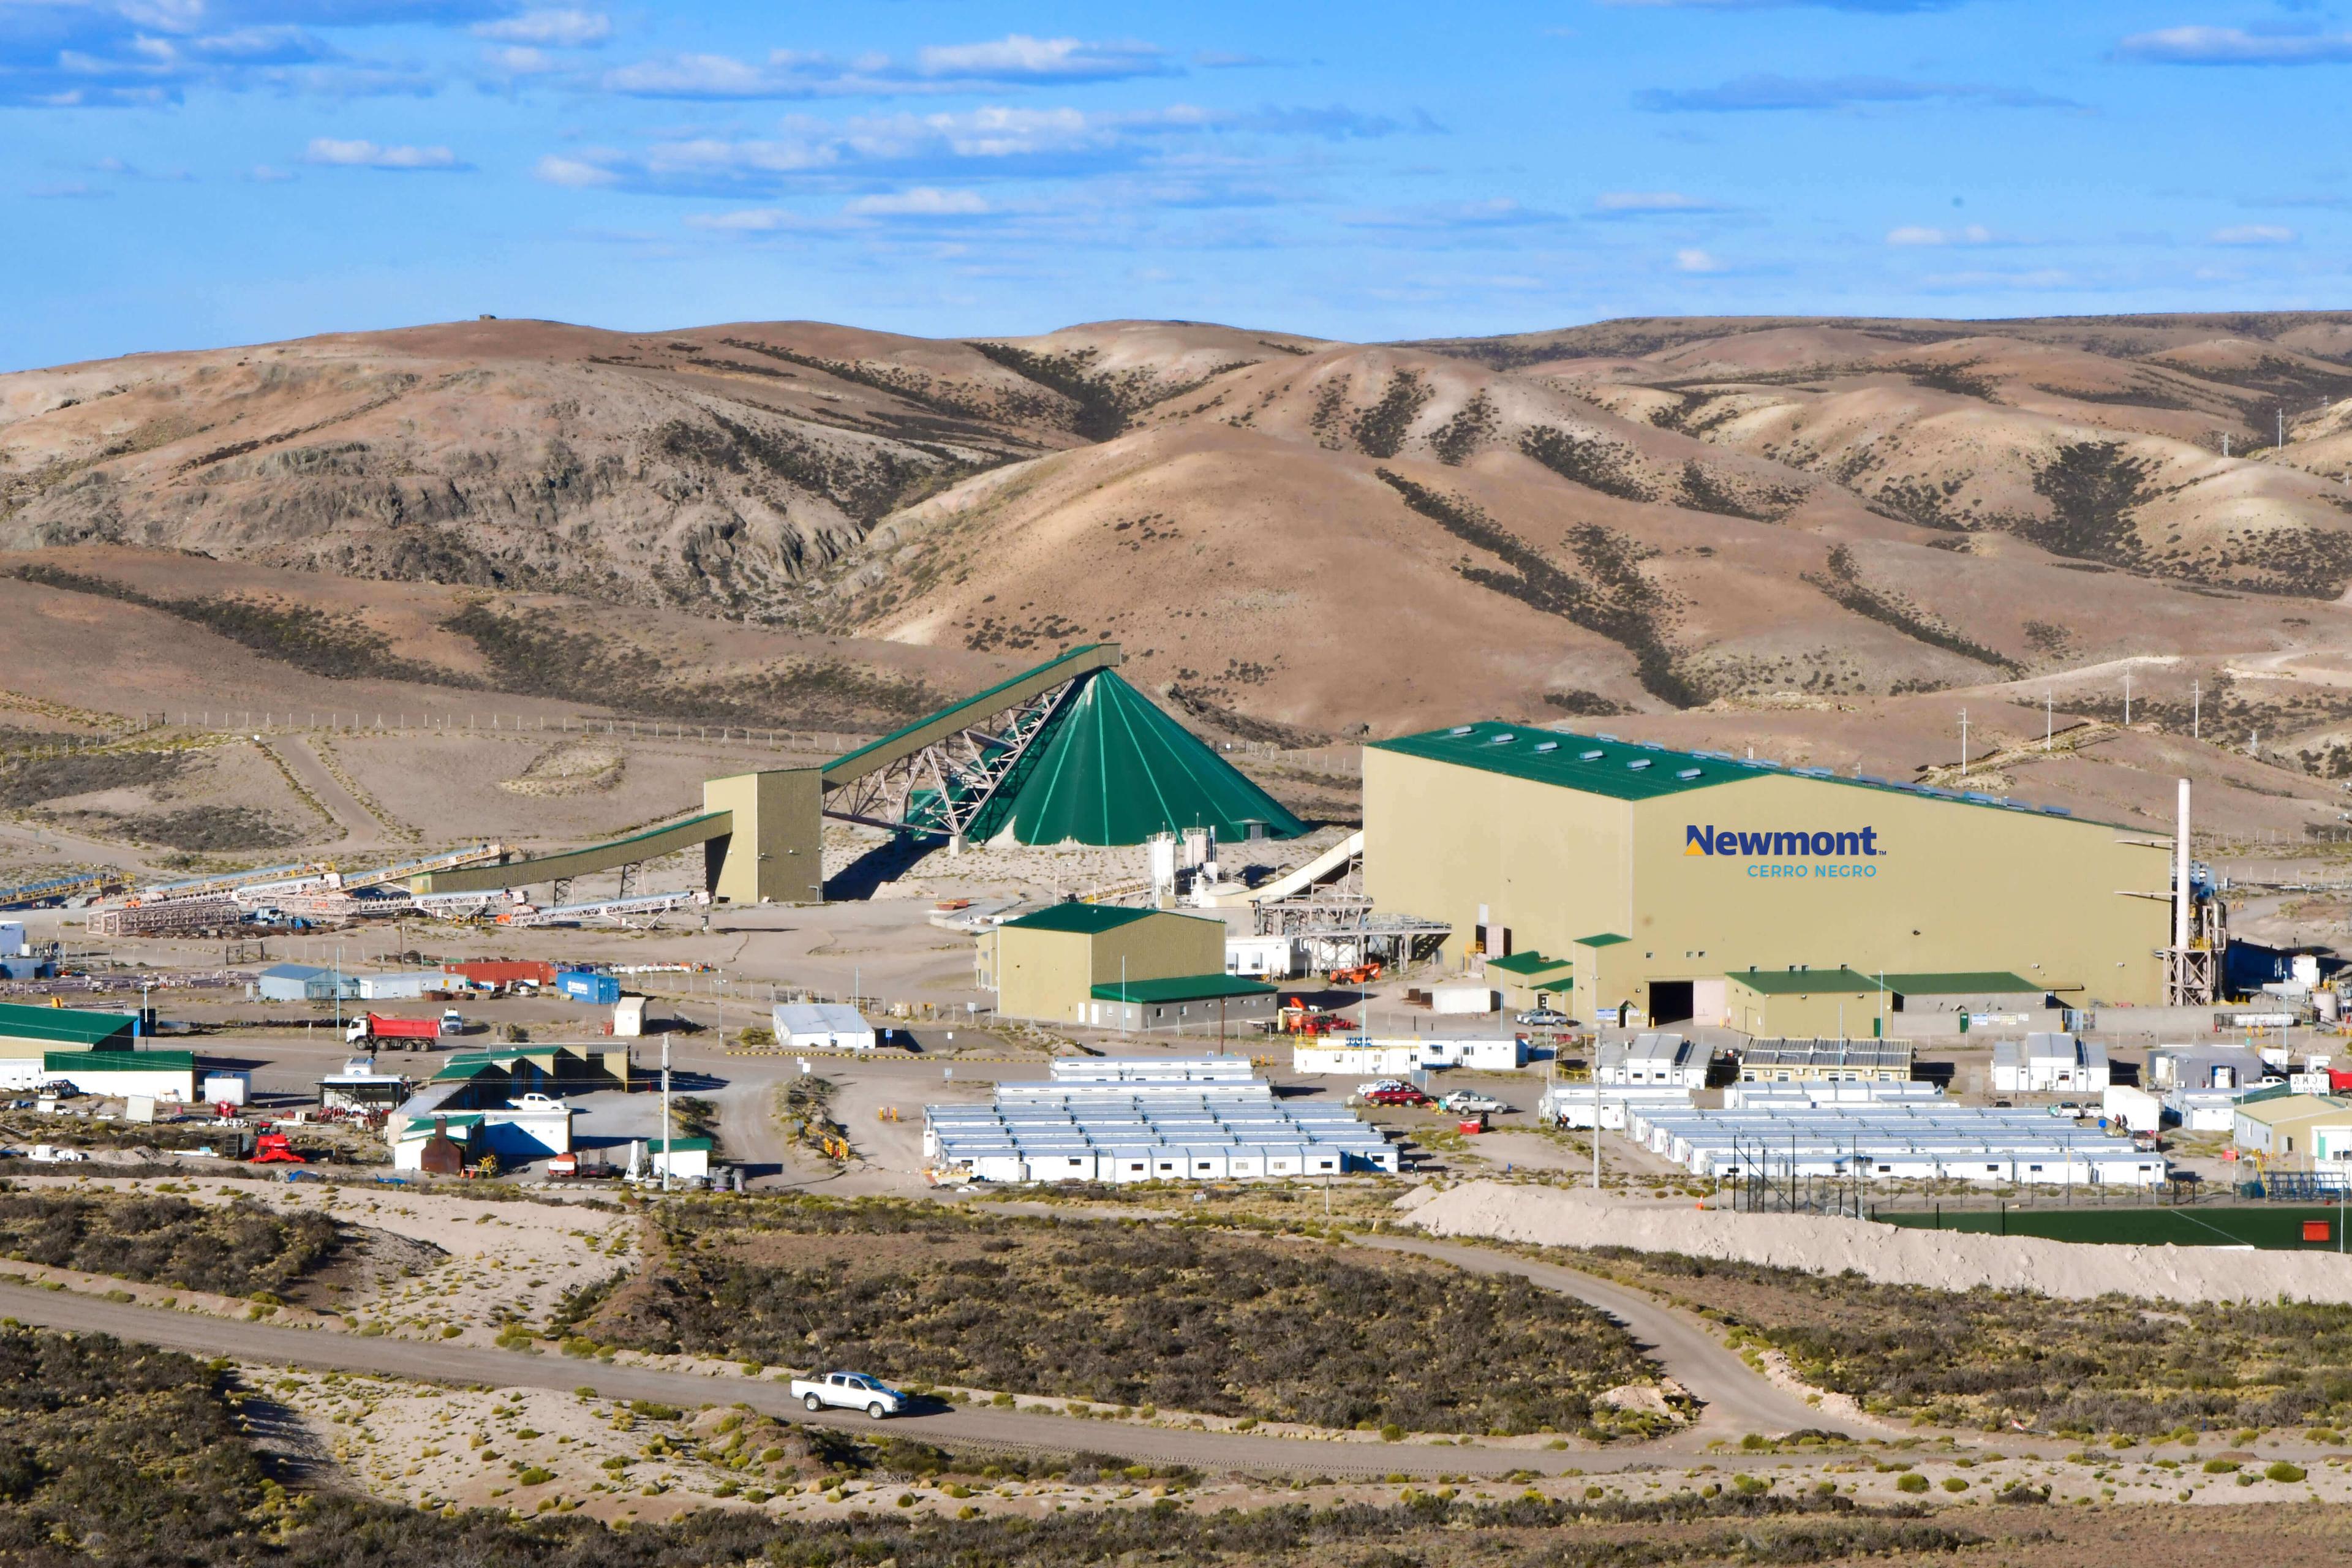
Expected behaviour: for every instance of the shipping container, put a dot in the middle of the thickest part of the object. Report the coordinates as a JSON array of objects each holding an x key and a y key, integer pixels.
[{"x": 581, "y": 986}]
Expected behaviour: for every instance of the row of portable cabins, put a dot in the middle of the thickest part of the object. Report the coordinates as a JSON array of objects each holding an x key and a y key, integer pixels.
[
  {"x": 1893, "y": 1143},
  {"x": 1135, "y": 1130}
]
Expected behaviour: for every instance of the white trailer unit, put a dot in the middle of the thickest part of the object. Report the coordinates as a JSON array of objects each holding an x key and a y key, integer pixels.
[
  {"x": 1464, "y": 999},
  {"x": 2135, "y": 1108},
  {"x": 1357, "y": 1061},
  {"x": 1506, "y": 1055},
  {"x": 1653, "y": 1057},
  {"x": 226, "y": 1088},
  {"x": 1262, "y": 957}
]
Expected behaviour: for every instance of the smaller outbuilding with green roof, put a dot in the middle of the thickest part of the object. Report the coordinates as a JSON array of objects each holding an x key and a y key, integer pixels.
[{"x": 1047, "y": 964}]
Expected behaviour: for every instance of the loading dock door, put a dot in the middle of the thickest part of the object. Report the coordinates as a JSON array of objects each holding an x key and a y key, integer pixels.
[{"x": 1670, "y": 1002}]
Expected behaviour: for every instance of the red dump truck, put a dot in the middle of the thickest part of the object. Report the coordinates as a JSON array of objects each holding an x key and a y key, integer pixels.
[{"x": 411, "y": 1034}]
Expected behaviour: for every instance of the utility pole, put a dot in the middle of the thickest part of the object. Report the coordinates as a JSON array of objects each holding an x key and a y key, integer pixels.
[
  {"x": 1964, "y": 743},
  {"x": 2049, "y": 723},
  {"x": 2127, "y": 698},
  {"x": 669, "y": 1138},
  {"x": 2196, "y": 711}
]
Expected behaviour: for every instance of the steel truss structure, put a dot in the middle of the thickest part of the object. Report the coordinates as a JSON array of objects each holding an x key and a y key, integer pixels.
[{"x": 944, "y": 787}]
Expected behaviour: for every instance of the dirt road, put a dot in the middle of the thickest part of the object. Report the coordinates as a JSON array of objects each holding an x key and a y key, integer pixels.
[{"x": 969, "y": 1426}]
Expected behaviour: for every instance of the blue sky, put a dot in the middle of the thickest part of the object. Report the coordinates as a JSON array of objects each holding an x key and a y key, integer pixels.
[{"x": 185, "y": 173}]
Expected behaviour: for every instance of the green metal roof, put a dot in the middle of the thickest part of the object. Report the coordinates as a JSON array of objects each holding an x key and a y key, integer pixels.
[
  {"x": 1626, "y": 770},
  {"x": 1606, "y": 939},
  {"x": 1617, "y": 769},
  {"x": 1183, "y": 988},
  {"x": 73, "y": 1062},
  {"x": 63, "y": 1025},
  {"x": 1091, "y": 920},
  {"x": 1960, "y": 983},
  {"x": 683, "y": 1145},
  {"x": 1803, "y": 982},
  {"x": 1528, "y": 964},
  {"x": 1112, "y": 768}
]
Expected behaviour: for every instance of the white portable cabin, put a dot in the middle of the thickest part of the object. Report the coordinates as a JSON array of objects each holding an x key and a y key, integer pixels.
[
  {"x": 629, "y": 1018},
  {"x": 1571, "y": 1104},
  {"x": 407, "y": 986},
  {"x": 822, "y": 1026},
  {"x": 1464, "y": 999},
  {"x": 1357, "y": 1061},
  {"x": 1653, "y": 1057},
  {"x": 2203, "y": 1110},
  {"x": 1486, "y": 1055},
  {"x": 1262, "y": 957},
  {"x": 2138, "y": 1110},
  {"x": 224, "y": 1086},
  {"x": 2049, "y": 1063}
]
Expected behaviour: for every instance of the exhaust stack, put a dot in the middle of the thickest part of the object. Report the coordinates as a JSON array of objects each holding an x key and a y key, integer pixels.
[{"x": 2180, "y": 877}]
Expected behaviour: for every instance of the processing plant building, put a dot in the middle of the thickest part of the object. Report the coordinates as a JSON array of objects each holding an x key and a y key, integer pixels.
[{"x": 1628, "y": 877}]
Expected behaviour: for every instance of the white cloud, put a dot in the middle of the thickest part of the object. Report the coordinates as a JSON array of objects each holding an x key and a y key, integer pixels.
[
  {"x": 264, "y": 175},
  {"x": 370, "y": 155},
  {"x": 563, "y": 28},
  {"x": 922, "y": 201},
  {"x": 519, "y": 60},
  {"x": 573, "y": 171},
  {"x": 746, "y": 220},
  {"x": 1020, "y": 57},
  {"x": 1013, "y": 61},
  {"x": 1974, "y": 234},
  {"x": 2236, "y": 47},
  {"x": 1695, "y": 260},
  {"x": 1651, "y": 202},
  {"x": 2253, "y": 234}
]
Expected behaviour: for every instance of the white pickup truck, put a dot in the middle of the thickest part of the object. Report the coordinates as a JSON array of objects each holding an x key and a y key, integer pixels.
[{"x": 849, "y": 1391}]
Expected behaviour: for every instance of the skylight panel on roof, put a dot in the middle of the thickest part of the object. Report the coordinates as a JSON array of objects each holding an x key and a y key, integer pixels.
[
  {"x": 1459, "y": 729},
  {"x": 1605, "y": 735},
  {"x": 1639, "y": 763},
  {"x": 1591, "y": 756},
  {"x": 1504, "y": 739},
  {"x": 1687, "y": 774},
  {"x": 1547, "y": 745}
]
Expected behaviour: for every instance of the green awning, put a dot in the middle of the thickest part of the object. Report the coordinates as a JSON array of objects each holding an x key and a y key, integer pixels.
[
  {"x": 1804, "y": 982},
  {"x": 1529, "y": 964},
  {"x": 1111, "y": 768},
  {"x": 1183, "y": 988},
  {"x": 1961, "y": 983}
]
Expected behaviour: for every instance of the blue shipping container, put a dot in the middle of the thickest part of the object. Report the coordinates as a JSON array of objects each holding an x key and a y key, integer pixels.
[{"x": 582, "y": 987}]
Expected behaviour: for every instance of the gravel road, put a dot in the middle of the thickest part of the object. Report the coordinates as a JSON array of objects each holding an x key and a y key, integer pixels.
[{"x": 987, "y": 1427}]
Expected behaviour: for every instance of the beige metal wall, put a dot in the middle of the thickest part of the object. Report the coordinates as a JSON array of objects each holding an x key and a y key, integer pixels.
[
  {"x": 1050, "y": 974},
  {"x": 1955, "y": 886},
  {"x": 776, "y": 853},
  {"x": 1045, "y": 974},
  {"x": 1813, "y": 1014}
]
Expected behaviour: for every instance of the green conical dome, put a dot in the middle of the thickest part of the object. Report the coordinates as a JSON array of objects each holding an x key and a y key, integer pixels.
[{"x": 1112, "y": 768}]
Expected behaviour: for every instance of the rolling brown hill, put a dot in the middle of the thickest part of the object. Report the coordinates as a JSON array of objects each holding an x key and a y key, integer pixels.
[{"x": 1823, "y": 536}]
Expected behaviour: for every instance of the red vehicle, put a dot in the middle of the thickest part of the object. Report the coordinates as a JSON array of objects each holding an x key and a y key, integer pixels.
[
  {"x": 1405, "y": 1096},
  {"x": 376, "y": 1027}
]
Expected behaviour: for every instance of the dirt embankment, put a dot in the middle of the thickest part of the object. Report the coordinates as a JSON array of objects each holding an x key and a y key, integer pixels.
[{"x": 1943, "y": 1260}]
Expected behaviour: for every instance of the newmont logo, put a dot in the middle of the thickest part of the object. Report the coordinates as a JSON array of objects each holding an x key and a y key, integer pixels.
[{"x": 1740, "y": 845}]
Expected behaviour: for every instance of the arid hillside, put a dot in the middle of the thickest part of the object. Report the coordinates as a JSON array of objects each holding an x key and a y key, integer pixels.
[{"x": 1827, "y": 536}]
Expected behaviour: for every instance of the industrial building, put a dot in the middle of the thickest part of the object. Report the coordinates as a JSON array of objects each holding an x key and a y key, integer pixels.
[
  {"x": 1085, "y": 1128},
  {"x": 1984, "y": 991},
  {"x": 30, "y": 1032},
  {"x": 474, "y": 1091},
  {"x": 2049, "y": 1064},
  {"x": 157, "y": 1075},
  {"x": 2294, "y": 1129},
  {"x": 1115, "y": 968},
  {"x": 1656, "y": 875},
  {"x": 304, "y": 983},
  {"x": 821, "y": 1026},
  {"x": 1833, "y": 1003},
  {"x": 1824, "y": 1061}
]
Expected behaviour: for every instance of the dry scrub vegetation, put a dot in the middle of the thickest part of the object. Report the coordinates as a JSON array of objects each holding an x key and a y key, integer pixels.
[
  {"x": 1992, "y": 1358},
  {"x": 239, "y": 1249},
  {"x": 116, "y": 1454},
  {"x": 1178, "y": 1316}
]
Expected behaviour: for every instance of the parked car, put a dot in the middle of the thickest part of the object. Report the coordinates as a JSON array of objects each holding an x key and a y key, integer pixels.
[
  {"x": 1469, "y": 1101},
  {"x": 849, "y": 1391},
  {"x": 1544, "y": 1018},
  {"x": 1367, "y": 1090},
  {"x": 1404, "y": 1095},
  {"x": 2067, "y": 1109},
  {"x": 535, "y": 1100}
]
